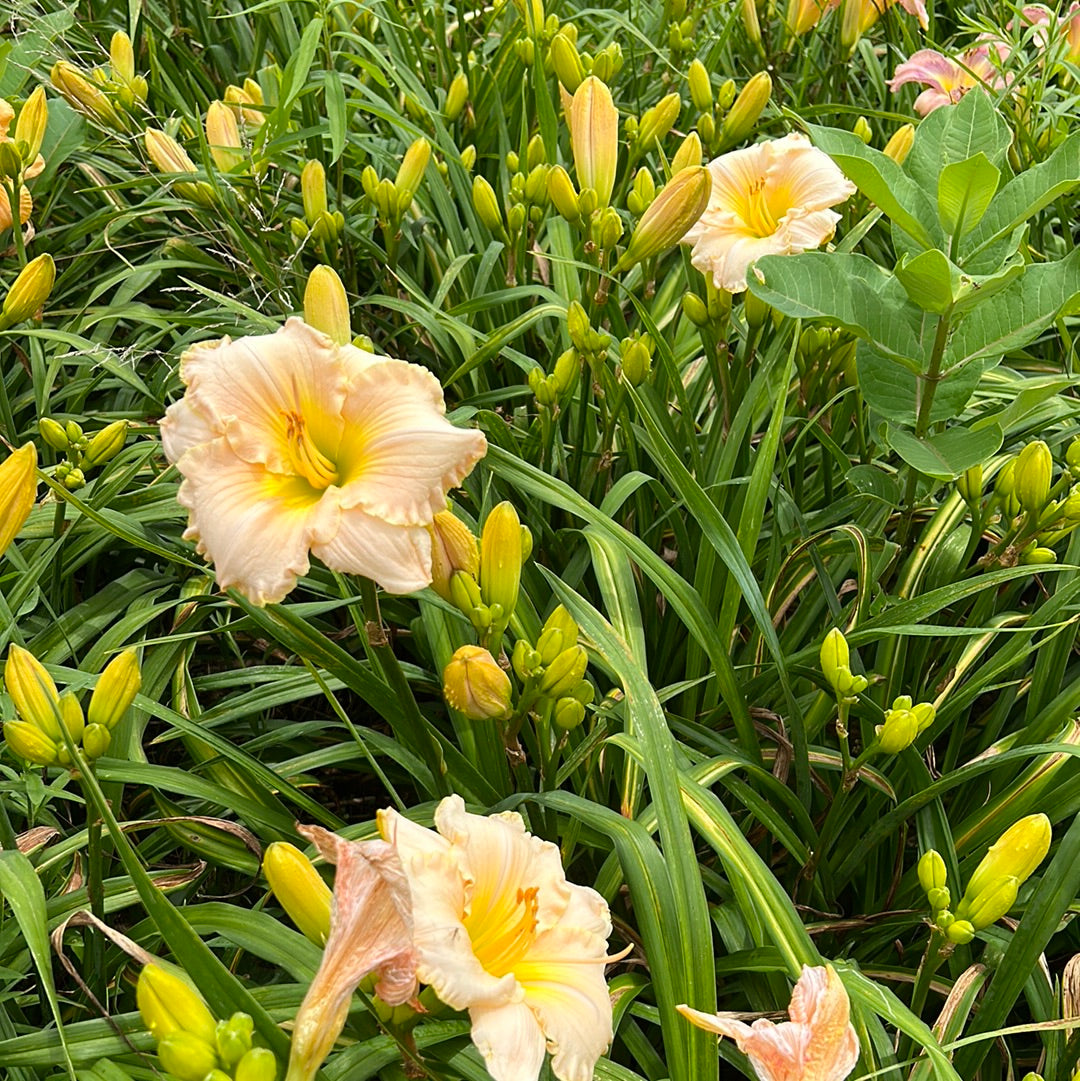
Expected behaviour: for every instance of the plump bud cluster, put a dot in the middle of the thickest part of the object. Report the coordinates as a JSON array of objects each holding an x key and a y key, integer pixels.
[
  {"x": 558, "y": 385},
  {"x": 903, "y": 723},
  {"x": 591, "y": 344},
  {"x": 835, "y": 661},
  {"x": 553, "y": 669},
  {"x": 730, "y": 116},
  {"x": 300, "y": 890},
  {"x": 393, "y": 199},
  {"x": 635, "y": 358},
  {"x": 82, "y": 453},
  {"x": 191, "y": 1044},
  {"x": 47, "y": 721},
  {"x": 993, "y": 887}
]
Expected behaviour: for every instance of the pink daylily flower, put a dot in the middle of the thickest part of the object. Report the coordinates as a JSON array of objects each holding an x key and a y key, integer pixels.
[
  {"x": 818, "y": 1043},
  {"x": 949, "y": 80}
]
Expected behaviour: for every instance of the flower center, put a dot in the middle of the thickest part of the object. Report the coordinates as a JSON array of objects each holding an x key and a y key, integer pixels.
[
  {"x": 500, "y": 944},
  {"x": 758, "y": 214},
  {"x": 306, "y": 458}
]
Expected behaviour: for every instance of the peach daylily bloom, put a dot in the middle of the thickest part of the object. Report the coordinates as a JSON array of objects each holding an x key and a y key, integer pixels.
[
  {"x": 769, "y": 199},
  {"x": 818, "y": 1043},
  {"x": 949, "y": 80},
  {"x": 1044, "y": 21},
  {"x": 26, "y": 203},
  {"x": 803, "y": 15},
  {"x": 370, "y": 931},
  {"x": 290, "y": 444},
  {"x": 501, "y": 933}
]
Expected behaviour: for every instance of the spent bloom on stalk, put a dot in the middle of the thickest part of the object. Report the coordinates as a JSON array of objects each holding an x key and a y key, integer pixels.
[
  {"x": 860, "y": 15},
  {"x": 818, "y": 1043},
  {"x": 371, "y": 930},
  {"x": 290, "y": 444},
  {"x": 949, "y": 80},
  {"x": 769, "y": 199},
  {"x": 501, "y": 933},
  {"x": 30, "y": 129}
]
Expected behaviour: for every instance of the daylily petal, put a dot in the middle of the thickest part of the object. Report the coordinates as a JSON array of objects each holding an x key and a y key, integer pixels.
[
  {"x": 925, "y": 66},
  {"x": 26, "y": 208},
  {"x": 184, "y": 427},
  {"x": 510, "y": 1040},
  {"x": 399, "y": 454},
  {"x": 397, "y": 557},
  {"x": 254, "y": 525}
]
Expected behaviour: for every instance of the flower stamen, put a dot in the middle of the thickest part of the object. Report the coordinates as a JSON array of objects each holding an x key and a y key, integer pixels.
[
  {"x": 500, "y": 946},
  {"x": 759, "y": 216},
  {"x": 308, "y": 461}
]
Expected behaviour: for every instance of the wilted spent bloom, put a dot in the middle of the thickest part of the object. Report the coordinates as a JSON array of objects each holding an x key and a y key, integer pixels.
[
  {"x": 669, "y": 216},
  {"x": 29, "y": 291},
  {"x": 300, "y": 890},
  {"x": 1032, "y": 475},
  {"x": 474, "y": 684},
  {"x": 18, "y": 489},
  {"x": 454, "y": 548},
  {"x": 115, "y": 690},
  {"x": 594, "y": 137},
  {"x": 903, "y": 723}
]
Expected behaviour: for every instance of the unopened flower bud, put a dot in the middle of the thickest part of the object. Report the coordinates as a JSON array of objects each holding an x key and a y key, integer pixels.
[
  {"x": 413, "y": 167},
  {"x": 71, "y": 716},
  {"x": 107, "y": 443},
  {"x": 95, "y": 740},
  {"x": 30, "y": 127},
  {"x": 326, "y": 305},
  {"x": 568, "y": 713},
  {"x": 456, "y": 96},
  {"x": 486, "y": 205},
  {"x": 561, "y": 192},
  {"x": 969, "y": 484},
  {"x": 678, "y": 206},
  {"x": 567, "y": 371},
  {"x": 1034, "y": 472},
  {"x": 863, "y": 130},
  {"x": 169, "y": 1006},
  {"x": 501, "y": 559},
  {"x": 166, "y": 153},
  {"x": 960, "y": 931},
  {"x": 29, "y": 742},
  {"x": 835, "y": 656},
  {"x": 115, "y": 690},
  {"x": 122, "y": 57},
  {"x": 689, "y": 155},
  {"x": 299, "y": 889},
  {"x": 747, "y": 108},
  {"x": 313, "y": 190},
  {"x": 931, "y": 871},
  {"x": 233, "y": 1037},
  {"x": 564, "y": 673},
  {"x": 899, "y": 144},
  {"x": 1016, "y": 854},
  {"x": 695, "y": 310},
  {"x": 18, "y": 487},
  {"x": 453, "y": 549},
  {"x": 53, "y": 434},
  {"x": 636, "y": 363},
  {"x": 594, "y": 136},
  {"x": 29, "y": 291},
  {"x": 474, "y": 684},
  {"x": 83, "y": 94},
  {"x": 33, "y": 691},
  {"x": 700, "y": 88},
  {"x": 258, "y": 1064},
  {"x": 903, "y": 723},
  {"x": 536, "y": 185},
  {"x": 577, "y": 325},
  {"x": 751, "y": 22},
  {"x": 658, "y": 121},
  {"x": 1036, "y": 555},
  {"x": 566, "y": 62},
  {"x": 223, "y": 137},
  {"x": 186, "y": 1057},
  {"x": 988, "y": 906},
  {"x": 939, "y": 898}
]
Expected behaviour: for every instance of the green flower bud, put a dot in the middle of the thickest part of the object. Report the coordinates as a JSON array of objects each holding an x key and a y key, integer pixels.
[
  {"x": 991, "y": 904},
  {"x": 233, "y": 1037},
  {"x": 1072, "y": 456},
  {"x": 863, "y": 130},
  {"x": 678, "y": 206},
  {"x": 30, "y": 289},
  {"x": 564, "y": 673},
  {"x": 468, "y": 158},
  {"x": 501, "y": 558},
  {"x": 411, "y": 172},
  {"x": 903, "y": 723},
  {"x": 695, "y": 310},
  {"x": 486, "y": 205},
  {"x": 258, "y": 1064},
  {"x": 53, "y": 434},
  {"x": 1037, "y": 556},
  {"x": 931, "y": 871},
  {"x": 95, "y": 740},
  {"x": 747, "y": 108},
  {"x": 689, "y": 155},
  {"x": 186, "y": 1057},
  {"x": 658, "y": 121},
  {"x": 1034, "y": 472},
  {"x": 970, "y": 484},
  {"x": 566, "y": 62},
  {"x": 107, "y": 443},
  {"x": 457, "y": 96},
  {"x": 561, "y": 192},
  {"x": 636, "y": 364},
  {"x": 568, "y": 713},
  {"x": 700, "y": 88},
  {"x": 115, "y": 690},
  {"x": 835, "y": 655},
  {"x": 71, "y": 716},
  {"x": 960, "y": 931},
  {"x": 536, "y": 185}
]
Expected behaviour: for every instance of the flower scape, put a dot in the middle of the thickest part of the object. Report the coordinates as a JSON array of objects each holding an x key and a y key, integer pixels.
[{"x": 539, "y": 541}]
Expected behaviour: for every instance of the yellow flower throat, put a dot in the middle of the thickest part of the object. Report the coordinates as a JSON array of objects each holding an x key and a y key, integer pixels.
[
  {"x": 306, "y": 459},
  {"x": 498, "y": 945},
  {"x": 757, "y": 213}
]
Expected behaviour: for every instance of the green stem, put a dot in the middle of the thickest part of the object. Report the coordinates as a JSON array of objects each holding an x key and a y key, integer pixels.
[
  {"x": 930, "y": 963},
  {"x": 95, "y": 891},
  {"x": 386, "y": 659}
]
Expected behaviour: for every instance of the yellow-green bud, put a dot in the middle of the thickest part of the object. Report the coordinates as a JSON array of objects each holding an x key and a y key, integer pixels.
[
  {"x": 411, "y": 173},
  {"x": 326, "y": 305},
  {"x": 568, "y": 713},
  {"x": 939, "y": 898},
  {"x": 594, "y": 137},
  {"x": 1037, "y": 556},
  {"x": 107, "y": 443},
  {"x": 747, "y": 108},
  {"x": 748, "y": 10},
  {"x": 169, "y": 1007},
  {"x": 223, "y": 137},
  {"x": 122, "y": 57},
  {"x": 835, "y": 655},
  {"x": 166, "y": 153},
  {"x": 577, "y": 325},
  {"x": 658, "y": 121},
  {"x": 453, "y": 549},
  {"x": 258, "y": 1064},
  {"x": 1033, "y": 474},
  {"x": 29, "y": 742},
  {"x": 899, "y": 144},
  {"x": 299, "y": 889},
  {"x": 501, "y": 559},
  {"x": 465, "y": 592},
  {"x": 566, "y": 62},
  {"x": 313, "y": 191},
  {"x": 863, "y": 130},
  {"x": 903, "y": 723},
  {"x": 1005, "y": 482},
  {"x": 456, "y": 96},
  {"x": 30, "y": 127},
  {"x": 695, "y": 310},
  {"x": 33, "y": 691},
  {"x": 931, "y": 871},
  {"x": 700, "y": 87},
  {"x": 970, "y": 484},
  {"x": 486, "y": 205},
  {"x": 636, "y": 363},
  {"x": 18, "y": 487},
  {"x": 607, "y": 229},
  {"x": 468, "y": 158},
  {"x": 11, "y": 161},
  {"x": 755, "y": 311},
  {"x": 566, "y": 372},
  {"x": 535, "y": 152},
  {"x": 71, "y": 716},
  {"x": 643, "y": 191},
  {"x": 536, "y": 185},
  {"x": 95, "y": 740},
  {"x": 988, "y": 906},
  {"x": 1016, "y": 854},
  {"x": 689, "y": 155},
  {"x": 474, "y": 684},
  {"x": 1072, "y": 456},
  {"x": 115, "y": 690},
  {"x": 233, "y": 1038},
  {"x": 678, "y": 206},
  {"x": 53, "y": 434},
  {"x": 29, "y": 291},
  {"x": 564, "y": 673},
  {"x": 563, "y": 195},
  {"x": 83, "y": 95},
  {"x": 186, "y": 1057},
  {"x": 960, "y": 931}
]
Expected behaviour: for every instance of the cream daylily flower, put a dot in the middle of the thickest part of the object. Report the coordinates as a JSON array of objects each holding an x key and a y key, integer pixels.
[
  {"x": 289, "y": 443},
  {"x": 818, "y": 1043},
  {"x": 769, "y": 199},
  {"x": 370, "y": 931},
  {"x": 501, "y": 933}
]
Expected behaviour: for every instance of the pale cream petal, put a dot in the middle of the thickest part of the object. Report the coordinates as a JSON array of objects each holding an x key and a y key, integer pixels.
[
  {"x": 808, "y": 178},
  {"x": 251, "y": 387},
  {"x": 563, "y": 977},
  {"x": 397, "y": 557},
  {"x": 253, "y": 525},
  {"x": 399, "y": 454},
  {"x": 438, "y": 886},
  {"x": 803, "y": 232},
  {"x": 184, "y": 427},
  {"x": 721, "y": 1024},
  {"x": 510, "y": 1041},
  {"x": 727, "y": 258}
]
